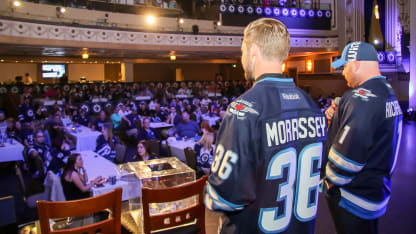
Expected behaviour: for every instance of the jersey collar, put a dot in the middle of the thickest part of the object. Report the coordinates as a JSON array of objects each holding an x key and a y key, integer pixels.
[
  {"x": 273, "y": 77},
  {"x": 373, "y": 78},
  {"x": 378, "y": 77}
]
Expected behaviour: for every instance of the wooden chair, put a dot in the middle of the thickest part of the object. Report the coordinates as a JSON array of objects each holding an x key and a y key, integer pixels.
[
  {"x": 50, "y": 210},
  {"x": 8, "y": 222},
  {"x": 32, "y": 192},
  {"x": 172, "y": 220},
  {"x": 154, "y": 146},
  {"x": 190, "y": 155},
  {"x": 120, "y": 153}
]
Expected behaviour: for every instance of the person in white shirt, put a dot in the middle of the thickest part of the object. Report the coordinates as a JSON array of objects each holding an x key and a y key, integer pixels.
[{"x": 123, "y": 112}]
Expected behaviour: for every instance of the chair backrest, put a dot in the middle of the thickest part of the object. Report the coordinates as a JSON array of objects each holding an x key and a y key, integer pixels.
[
  {"x": 174, "y": 219},
  {"x": 138, "y": 124},
  {"x": 190, "y": 155},
  {"x": 8, "y": 214},
  {"x": 155, "y": 147},
  {"x": 120, "y": 153},
  {"x": 20, "y": 180},
  {"x": 49, "y": 210}
]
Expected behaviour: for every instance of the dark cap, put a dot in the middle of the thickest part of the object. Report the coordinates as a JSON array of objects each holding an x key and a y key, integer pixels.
[{"x": 356, "y": 51}]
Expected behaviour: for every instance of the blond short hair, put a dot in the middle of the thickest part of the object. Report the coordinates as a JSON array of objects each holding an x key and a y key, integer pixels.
[{"x": 271, "y": 36}]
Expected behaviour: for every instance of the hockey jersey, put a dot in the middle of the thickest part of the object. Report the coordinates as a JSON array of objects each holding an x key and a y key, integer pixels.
[
  {"x": 25, "y": 113},
  {"x": 265, "y": 174},
  {"x": 363, "y": 142},
  {"x": 104, "y": 149}
]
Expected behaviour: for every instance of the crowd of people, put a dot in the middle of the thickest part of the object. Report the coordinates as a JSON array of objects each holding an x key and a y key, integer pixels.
[{"x": 43, "y": 129}]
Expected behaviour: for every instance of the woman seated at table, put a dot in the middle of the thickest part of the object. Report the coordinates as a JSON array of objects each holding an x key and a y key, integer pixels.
[
  {"x": 74, "y": 179},
  {"x": 143, "y": 151},
  {"x": 204, "y": 152},
  {"x": 106, "y": 142}
]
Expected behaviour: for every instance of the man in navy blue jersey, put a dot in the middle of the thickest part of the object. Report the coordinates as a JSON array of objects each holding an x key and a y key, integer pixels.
[
  {"x": 363, "y": 142},
  {"x": 265, "y": 174}
]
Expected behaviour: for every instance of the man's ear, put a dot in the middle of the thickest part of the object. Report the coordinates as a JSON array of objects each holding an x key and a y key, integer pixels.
[
  {"x": 356, "y": 66},
  {"x": 254, "y": 51}
]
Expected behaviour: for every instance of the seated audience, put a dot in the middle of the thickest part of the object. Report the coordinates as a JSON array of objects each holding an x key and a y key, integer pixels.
[
  {"x": 26, "y": 111},
  {"x": 106, "y": 143},
  {"x": 143, "y": 111},
  {"x": 39, "y": 156},
  {"x": 3, "y": 123},
  {"x": 123, "y": 112},
  {"x": 82, "y": 118},
  {"x": 187, "y": 128},
  {"x": 143, "y": 151},
  {"x": 131, "y": 125},
  {"x": 57, "y": 129},
  {"x": 74, "y": 179},
  {"x": 158, "y": 114},
  {"x": 26, "y": 133},
  {"x": 205, "y": 152},
  {"x": 147, "y": 133},
  {"x": 116, "y": 118},
  {"x": 59, "y": 154},
  {"x": 99, "y": 123},
  {"x": 173, "y": 117},
  {"x": 197, "y": 115},
  {"x": 204, "y": 126},
  {"x": 11, "y": 131}
]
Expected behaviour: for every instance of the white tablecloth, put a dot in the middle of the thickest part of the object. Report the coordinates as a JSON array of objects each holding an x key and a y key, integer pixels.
[
  {"x": 183, "y": 96},
  {"x": 49, "y": 102},
  {"x": 211, "y": 120},
  {"x": 214, "y": 94},
  {"x": 86, "y": 139},
  {"x": 11, "y": 152},
  {"x": 142, "y": 98},
  {"x": 96, "y": 165},
  {"x": 177, "y": 147},
  {"x": 95, "y": 100},
  {"x": 160, "y": 125}
]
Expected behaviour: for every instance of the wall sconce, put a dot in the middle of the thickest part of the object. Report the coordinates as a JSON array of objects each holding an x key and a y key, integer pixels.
[
  {"x": 283, "y": 67},
  {"x": 85, "y": 56},
  {"x": 180, "y": 22},
  {"x": 150, "y": 19},
  {"x": 216, "y": 24},
  {"x": 309, "y": 65},
  {"x": 60, "y": 11},
  {"x": 14, "y": 4}
]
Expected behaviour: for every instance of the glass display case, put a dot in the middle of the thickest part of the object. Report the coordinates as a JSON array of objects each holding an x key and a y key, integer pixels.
[
  {"x": 154, "y": 174},
  {"x": 160, "y": 173}
]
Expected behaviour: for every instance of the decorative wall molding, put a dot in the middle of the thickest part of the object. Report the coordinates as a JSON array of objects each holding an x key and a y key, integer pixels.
[
  {"x": 354, "y": 20},
  {"x": 57, "y": 32}
]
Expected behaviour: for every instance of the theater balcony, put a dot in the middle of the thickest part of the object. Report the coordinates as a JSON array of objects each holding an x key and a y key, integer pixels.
[{"x": 150, "y": 28}]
